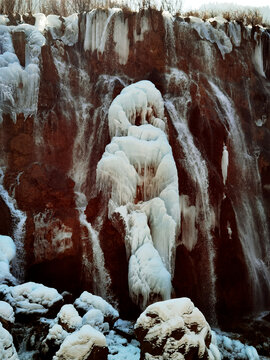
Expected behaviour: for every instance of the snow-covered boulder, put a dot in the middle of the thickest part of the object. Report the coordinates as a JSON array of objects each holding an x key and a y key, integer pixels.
[
  {"x": 88, "y": 301},
  {"x": 7, "y": 349},
  {"x": 69, "y": 318},
  {"x": 7, "y": 253},
  {"x": 32, "y": 299},
  {"x": 175, "y": 329},
  {"x": 84, "y": 344},
  {"x": 6, "y": 314},
  {"x": 95, "y": 318},
  {"x": 55, "y": 337}
]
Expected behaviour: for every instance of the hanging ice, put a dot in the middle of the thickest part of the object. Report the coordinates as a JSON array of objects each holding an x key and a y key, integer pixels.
[
  {"x": 139, "y": 174},
  {"x": 100, "y": 25},
  {"x": 19, "y": 83},
  {"x": 224, "y": 163}
]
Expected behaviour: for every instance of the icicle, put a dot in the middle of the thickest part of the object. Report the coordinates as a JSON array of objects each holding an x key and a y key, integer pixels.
[{"x": 224, "y": 163}]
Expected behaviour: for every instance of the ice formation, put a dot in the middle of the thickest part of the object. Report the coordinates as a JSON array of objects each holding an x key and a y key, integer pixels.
[
  {"x": 80, "y": 343},
  {"x": 166, "y": 327},
  {"x": 224, "y": 163},
  {"x": 61, "y": 28},
  {"x": 144, "y": 28},
  {"x": 206, "y": 31},
  {"x": 19, "y": 219},
  {"x": 258, "y": 55},
  {"x": 139, "y": 174},
  {"x": 19, "y": 83},
  {"x": 99, "y": 26},
  {"x": 7, "y": 349},
  {"x": 7, "y": 253},
  {"x": 234, "y": 349},
  {"x": 120, "y": 348},
  {"x": 6, "y": 312}
]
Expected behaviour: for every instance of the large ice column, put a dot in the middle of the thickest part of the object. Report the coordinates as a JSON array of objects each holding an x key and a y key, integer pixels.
[{"x": 139, "y": 175}]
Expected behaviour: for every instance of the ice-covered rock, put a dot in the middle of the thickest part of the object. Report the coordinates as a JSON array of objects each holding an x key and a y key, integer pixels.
[
  {"x": 175, "y": 329},
  {"x": 124, "y": 328},
  {"x": 6, "y": 312},
  {"x": 53, "y": 340},
  {"x": 207, "y": 32},
  {"x": 88, "y": 301},
  {"x": 232, "y": 349},
  {"x": 7, "y": 253},
  {"x": 69, "y": 318},
  {"x": 95, "y": 318},
  {"x": 122, "y": 349},
  {"x": 7, "y": 349},
  {"x": 84, "y": 344},
  {"x": 31, "y": 298}
]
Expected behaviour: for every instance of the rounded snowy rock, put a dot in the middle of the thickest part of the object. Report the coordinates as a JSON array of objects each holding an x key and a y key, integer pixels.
[
  {"x": 175, "y": 329},
  {"x": 6, "y": 312}
]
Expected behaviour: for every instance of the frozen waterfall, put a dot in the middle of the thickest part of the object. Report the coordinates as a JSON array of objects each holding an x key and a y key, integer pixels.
[{"x": 139, "y": 174}]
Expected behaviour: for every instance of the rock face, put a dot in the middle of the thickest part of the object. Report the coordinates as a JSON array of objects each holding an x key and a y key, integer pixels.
[
  {"x": 215, "y": 84},
  {"x": 174, "y": 329}
]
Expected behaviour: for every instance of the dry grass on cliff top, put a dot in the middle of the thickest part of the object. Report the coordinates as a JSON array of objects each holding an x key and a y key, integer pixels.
[
  {"x": 67, "y": 7},
  {"x": 246, "y": 17}
]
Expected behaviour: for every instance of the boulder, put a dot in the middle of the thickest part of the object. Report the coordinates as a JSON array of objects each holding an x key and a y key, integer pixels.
[{"x": 175, "y": 329}]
